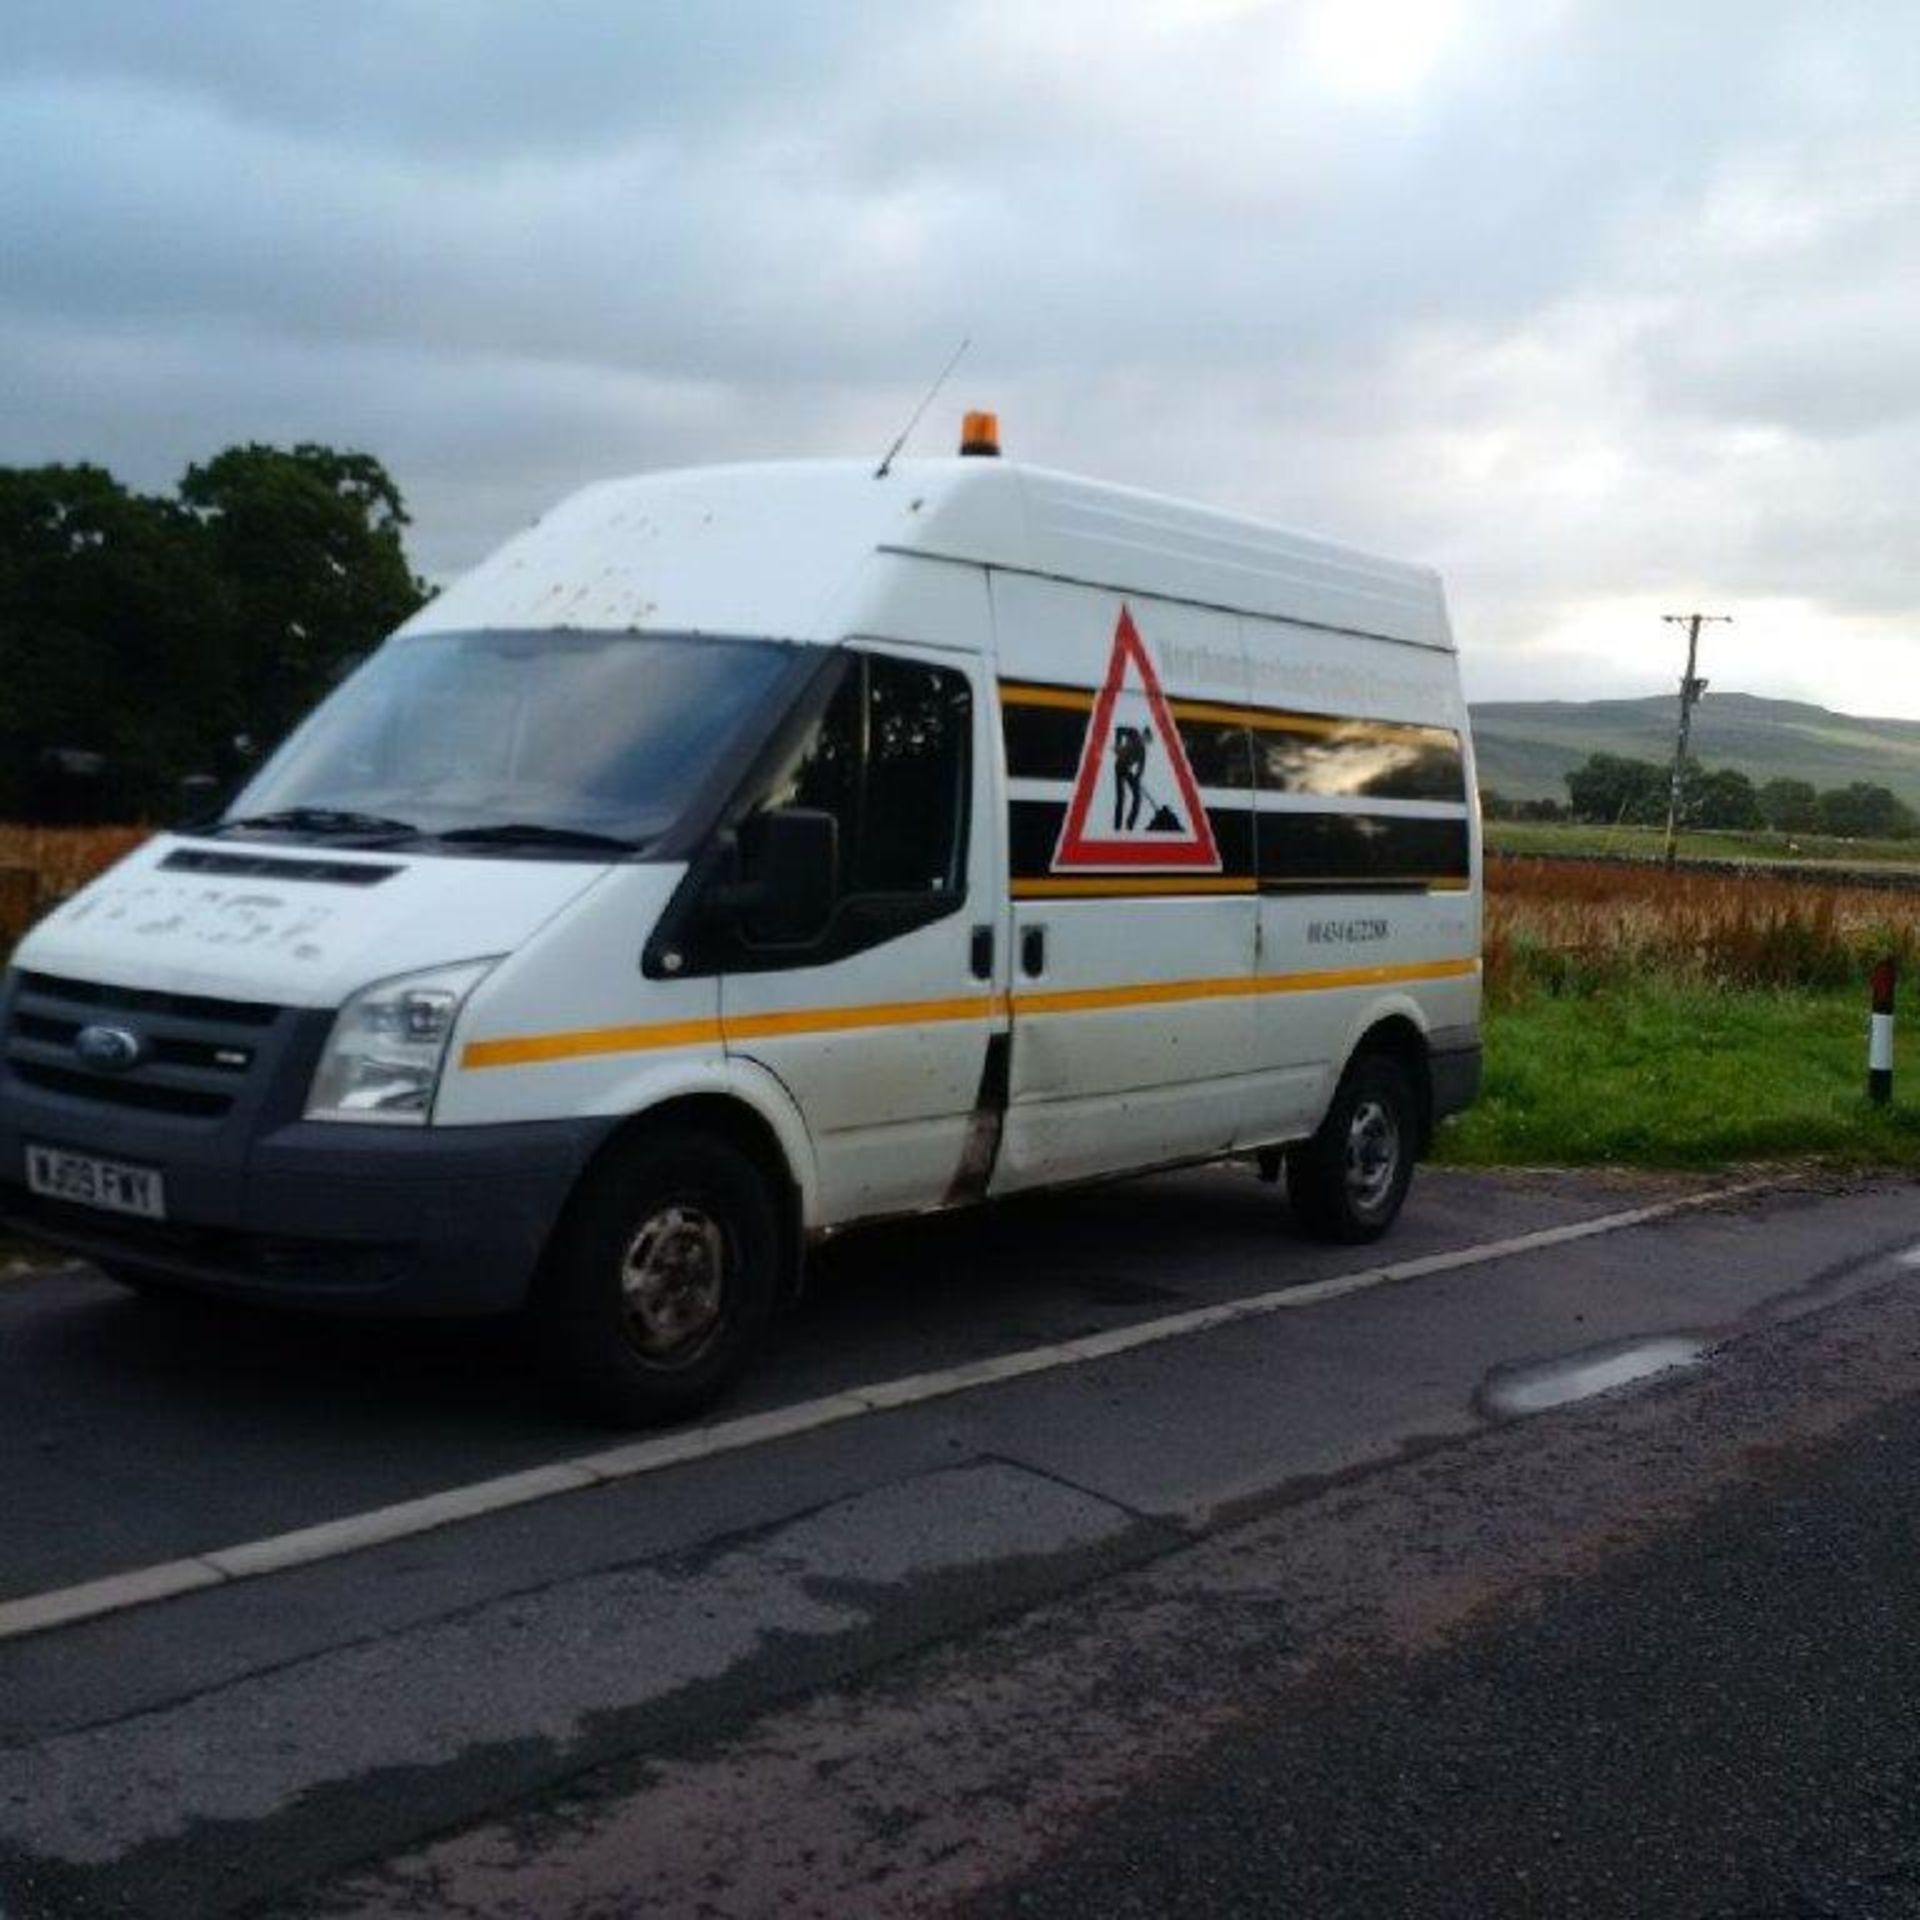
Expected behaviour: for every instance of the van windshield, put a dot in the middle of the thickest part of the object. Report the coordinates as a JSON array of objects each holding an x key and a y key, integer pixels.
[{"x": 544, "y": 741}]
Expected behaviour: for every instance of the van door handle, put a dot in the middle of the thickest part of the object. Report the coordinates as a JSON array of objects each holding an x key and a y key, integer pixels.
[
  {"x": 980, "y": 957},
  {"x": 1033, "y": 952}
]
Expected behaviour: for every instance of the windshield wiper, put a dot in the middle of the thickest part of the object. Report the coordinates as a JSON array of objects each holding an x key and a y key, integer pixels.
[
  {"x": 530, "y": 833},
  {"x": 327, "y": 820}
]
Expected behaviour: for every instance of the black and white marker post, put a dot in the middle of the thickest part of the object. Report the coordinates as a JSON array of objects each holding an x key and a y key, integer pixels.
[{"x": 1880, "y": 1036}]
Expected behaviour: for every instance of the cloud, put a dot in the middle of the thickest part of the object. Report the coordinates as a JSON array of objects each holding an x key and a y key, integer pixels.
[
  {"x": 1583, "y": 302},
  {"x": 475, "y": 81}
]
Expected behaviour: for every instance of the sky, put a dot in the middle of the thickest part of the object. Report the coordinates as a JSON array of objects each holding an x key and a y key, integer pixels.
[{"x": 1609, "y": 309}]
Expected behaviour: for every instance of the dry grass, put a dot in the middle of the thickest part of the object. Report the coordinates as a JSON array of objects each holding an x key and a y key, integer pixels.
[{"x": 1572, "y": 927}]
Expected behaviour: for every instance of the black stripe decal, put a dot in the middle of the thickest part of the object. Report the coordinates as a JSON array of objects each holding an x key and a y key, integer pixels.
[
  {"x": 1285, "y": 852},
  {"x": 1328, "y": 852},
  {"x": 1268, "y": 749}
]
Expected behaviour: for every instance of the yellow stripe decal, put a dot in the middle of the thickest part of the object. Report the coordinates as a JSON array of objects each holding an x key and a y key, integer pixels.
[
  {"x": 1234, "y": 986},
  {"x": 1068, "y": 698},
  {"x": 1122, "y": 886},
  {"x": 1362, "y": 883},
  {"x": 1119, "y": 886},
  {"x": 897, "y": 1013},
  {"x": 530, "y": 1049},
  {"x": 534, "y": 1049},
  {"x": 1111, "y": 999},
  {"x": 1368, "y": 976}
]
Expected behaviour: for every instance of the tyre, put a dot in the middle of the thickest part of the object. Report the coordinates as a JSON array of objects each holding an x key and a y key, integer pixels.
[
  {"x": 1348, "y": 1181},
  {"x": 660, "y": 1279}
]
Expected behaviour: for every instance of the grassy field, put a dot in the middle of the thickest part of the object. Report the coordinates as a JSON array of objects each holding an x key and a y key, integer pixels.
[
  {"x": 1660, "y": 1076},
  {"x": 1639, "y": 1019},
  {"x": 1565, "y": 840}
]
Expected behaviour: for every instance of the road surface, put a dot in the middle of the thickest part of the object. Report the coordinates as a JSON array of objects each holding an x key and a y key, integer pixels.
[{"x": 1116, "y": 1553}]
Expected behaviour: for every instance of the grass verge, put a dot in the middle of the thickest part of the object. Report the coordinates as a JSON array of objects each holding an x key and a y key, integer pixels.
[{"x": 1664, "y": 1076}]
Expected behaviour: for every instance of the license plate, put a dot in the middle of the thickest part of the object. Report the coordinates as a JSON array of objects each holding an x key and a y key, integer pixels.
[{"x": 108, "y": 1184}]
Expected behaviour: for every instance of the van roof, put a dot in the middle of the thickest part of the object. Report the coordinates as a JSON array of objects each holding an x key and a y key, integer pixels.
[{"x": 785, "y": 549}]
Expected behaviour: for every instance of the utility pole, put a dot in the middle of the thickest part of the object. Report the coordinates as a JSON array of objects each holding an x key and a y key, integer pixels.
[{"x": 1691, "y": 688}]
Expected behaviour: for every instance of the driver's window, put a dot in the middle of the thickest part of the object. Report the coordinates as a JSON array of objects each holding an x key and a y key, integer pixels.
[{"x": 890, "y": 759}]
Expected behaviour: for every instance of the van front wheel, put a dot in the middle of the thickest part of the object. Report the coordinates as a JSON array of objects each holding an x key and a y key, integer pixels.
[
  {"x": 1347, "y": 1182},
  {"x": 660, "y": 1279}
]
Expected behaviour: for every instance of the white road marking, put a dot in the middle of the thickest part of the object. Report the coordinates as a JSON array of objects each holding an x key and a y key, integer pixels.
[{"x": 116, "y": 1593}]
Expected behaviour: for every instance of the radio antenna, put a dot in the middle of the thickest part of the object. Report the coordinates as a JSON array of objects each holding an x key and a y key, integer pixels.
[{"x": 880, "y": 472}]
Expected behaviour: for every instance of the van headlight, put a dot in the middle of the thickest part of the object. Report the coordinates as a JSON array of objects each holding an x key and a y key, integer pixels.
[{"x": 389, "y": 1042}]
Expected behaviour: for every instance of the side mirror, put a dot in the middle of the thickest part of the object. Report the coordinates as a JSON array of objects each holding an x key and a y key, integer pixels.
[{"x": 789, "y": 877}]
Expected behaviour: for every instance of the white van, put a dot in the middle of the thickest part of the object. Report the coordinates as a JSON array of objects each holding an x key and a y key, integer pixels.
[{"x": 744, "y": 852}]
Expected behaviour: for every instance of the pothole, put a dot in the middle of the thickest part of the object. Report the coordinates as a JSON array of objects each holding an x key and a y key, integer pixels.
[{"x": 1510, "y": 1392}]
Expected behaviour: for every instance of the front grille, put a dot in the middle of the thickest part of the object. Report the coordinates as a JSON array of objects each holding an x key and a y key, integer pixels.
[
  {"x": 197, "y": 1054},
  {"x": 185, "y": 1006},
  {"x": 216, "y": 1056},
  {"x": 137, "y": 1094}
]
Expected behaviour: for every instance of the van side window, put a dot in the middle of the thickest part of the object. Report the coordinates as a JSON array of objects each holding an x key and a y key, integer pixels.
[{"x": 890, "y": 758}]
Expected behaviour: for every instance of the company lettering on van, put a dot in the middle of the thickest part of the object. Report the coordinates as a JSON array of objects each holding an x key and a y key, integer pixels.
[
  {"x": 1347, "y": 933},
  {"x": 1199, "y": 665},
  {"x": 1337, "y": 689}
]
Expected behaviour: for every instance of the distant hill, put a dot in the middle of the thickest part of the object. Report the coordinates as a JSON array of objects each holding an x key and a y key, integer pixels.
[{"x": 1526, "y": 747}]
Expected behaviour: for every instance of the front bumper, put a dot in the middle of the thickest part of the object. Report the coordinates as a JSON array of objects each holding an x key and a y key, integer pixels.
[
  {"x": 436, "y": 1223},
  {"x": 261, "y": 1203}
]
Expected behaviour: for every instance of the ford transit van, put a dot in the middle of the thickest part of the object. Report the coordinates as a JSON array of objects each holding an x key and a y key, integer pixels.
[{"x": 744, "y": 852}]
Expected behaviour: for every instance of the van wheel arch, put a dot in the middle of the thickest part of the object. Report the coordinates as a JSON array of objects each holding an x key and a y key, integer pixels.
[
  {"x": 1403, "y": 1043},
  {"x": 1346, "y": 1182},
  {"x": 716, "y": 1117},
  {"x": 671, "y": 1255}
]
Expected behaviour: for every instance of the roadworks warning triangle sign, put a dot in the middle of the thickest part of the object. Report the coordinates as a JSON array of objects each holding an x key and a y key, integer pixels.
[{"x": 1135, "y": 807}]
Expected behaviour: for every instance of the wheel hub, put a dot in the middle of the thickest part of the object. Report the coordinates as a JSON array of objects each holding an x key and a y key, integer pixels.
[
  {"x": 673, "y": 1283},
  {"x": 1373, "y": 1155}
]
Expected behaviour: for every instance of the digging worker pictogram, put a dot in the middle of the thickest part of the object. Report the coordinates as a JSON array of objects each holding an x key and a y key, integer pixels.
[
  {"x": 1152, "y": 832},
  {"x": 1130, "y": 746}
]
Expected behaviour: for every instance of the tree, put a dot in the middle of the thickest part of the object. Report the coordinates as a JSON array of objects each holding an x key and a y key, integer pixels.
[
  {"x": 139, "y": 635},
  {"x": 312, "y": 572},
  {"x": 1790, "y": 806},
  {"x": 1612, "y": 789},
  {"x": 1725, "y": 799},
  {"x": 105, "y": 650},
  {"x": 1862, "y": 811}
]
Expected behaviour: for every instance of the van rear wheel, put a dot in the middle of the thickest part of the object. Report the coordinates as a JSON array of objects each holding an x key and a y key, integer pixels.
[
  {"x": 660, "y": 1279},
  {"x": 1348, "y": 1181}
]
